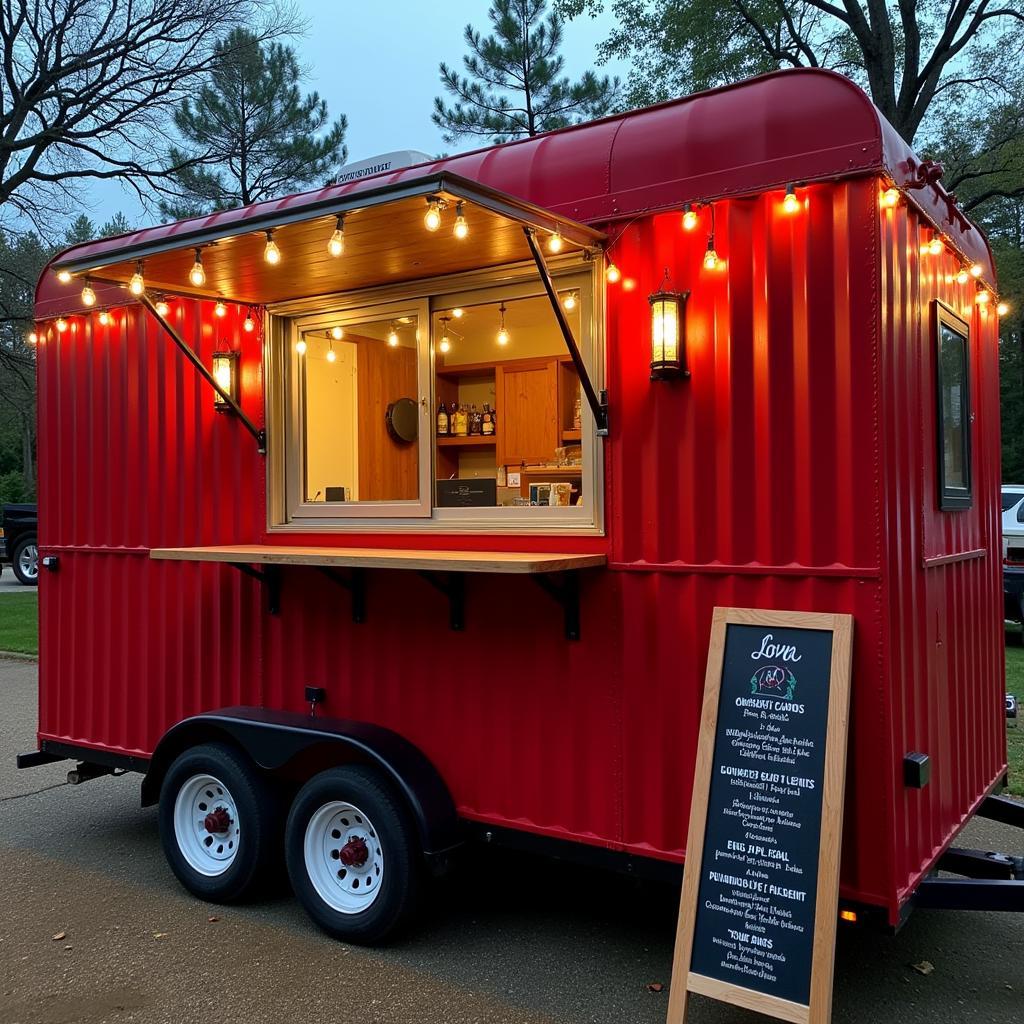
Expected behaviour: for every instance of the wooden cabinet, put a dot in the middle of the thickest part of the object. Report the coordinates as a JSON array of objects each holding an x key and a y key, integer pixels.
[{"x": 527, "y": 397}]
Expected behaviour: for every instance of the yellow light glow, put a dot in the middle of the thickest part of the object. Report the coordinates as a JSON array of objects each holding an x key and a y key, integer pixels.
[
  {"x": 336, "y": 243},
  {"x": 197, "y": 275},
  {"x": 300, "y": 346},
  {"x": 162, "y": 308},
  {"x": 1003, "y": 308},
  {"x": 790, "y": 204},
  {"x": 222, "y": 373},
  {"x": 711, "y": 257},
  {"x": 104, "y": 318},
  {"x": 503, "y": 336},
  {"x": 88, "y": 295},
  {"x": 62, "y": 325},
  {"x": 458, "y": 312},
  {"x": 569, "y": 302},
  {"x": 891, "y": 197},
  {"x": 555, "y": 242},
  {"x": 32, "y": 338},
  {"x": 935, "y": 246},
  {"x": 612, "y": 274},
  {"x": 445, "y": 345},
  {"x": 137, "y": 284},
  {"x": 337, "y": 333},
  {"x": 665, "y": 330},
  {"x": 64, "y": 276},
  {"x": 982, "y": 298},
  {"x": 220, "y": 309},
  {"x": 331, "y": 355},
  {"x": 393, "y": 338},
  {"x": 977, "y": 270},
  {"x": 248, "y": 325},
  {"x": 850, "y": 915},
  {"x": 432, "y": 218},
  {"x": 461, "y": 228},
  {"x": 962, "y": 277},
  {"x": 689, "y": 218},
  {"x": 271, "y": 253}
]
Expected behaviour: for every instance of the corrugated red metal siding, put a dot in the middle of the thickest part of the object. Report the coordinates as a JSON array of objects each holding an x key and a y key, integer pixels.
[
  {"x": 759, "y": 481},
  {"x": 133, "y": 456},
  {"x": 943, "y": 640}
]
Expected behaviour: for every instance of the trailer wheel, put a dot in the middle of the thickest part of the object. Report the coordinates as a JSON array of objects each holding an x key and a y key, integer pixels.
[
  {"x": 25, "y": 561},
  {"x": 352, "y": 854},
  {"x": 219, "y": 823}
]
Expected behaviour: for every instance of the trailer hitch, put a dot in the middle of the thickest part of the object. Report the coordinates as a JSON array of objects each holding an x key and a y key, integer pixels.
[{"x": 86, "y": 771}]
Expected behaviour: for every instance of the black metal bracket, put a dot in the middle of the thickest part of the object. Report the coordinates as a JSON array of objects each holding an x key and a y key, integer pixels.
[
  {"x": 567, "y": 594},
  {"x": 354, "y": 583},
  {"x": 453, "y": 586},
  {"x": 1003, "y": 810},
  {"x": 981, "y": 864},
  {"x": 270, "y": 577},
  {"x": 970, "y": 894},
  {"x": 598, "y": 403},
  {"x": 259, "y": 434}
]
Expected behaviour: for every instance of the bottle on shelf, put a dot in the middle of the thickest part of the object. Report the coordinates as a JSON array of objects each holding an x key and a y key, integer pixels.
[
  {"x": 461, "y": 422},
  {"x": 487, "y": 423},
  {"x": 475, "y": 421},
  {"x": 442, "y": 420}
]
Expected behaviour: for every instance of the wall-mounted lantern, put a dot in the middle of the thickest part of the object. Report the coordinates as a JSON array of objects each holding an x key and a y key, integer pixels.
[
  {"x": 668, "y": 334},
  {"x": 225, "y": 373}
]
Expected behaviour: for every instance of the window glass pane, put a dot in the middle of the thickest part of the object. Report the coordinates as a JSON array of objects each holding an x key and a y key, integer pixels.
[
  {"x": 507, "y": 405},
  {"x": 1010, "y": 498},
  {"x": 954, "y": 412},
  {"x": 360, "y": 412}
]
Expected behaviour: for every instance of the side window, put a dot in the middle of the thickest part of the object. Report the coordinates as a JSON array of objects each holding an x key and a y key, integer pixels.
[{"x": 953, "y": 411}]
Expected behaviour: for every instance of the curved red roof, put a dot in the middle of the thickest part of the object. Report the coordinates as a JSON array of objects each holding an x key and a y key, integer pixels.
[{"x": 797, "y": 125}]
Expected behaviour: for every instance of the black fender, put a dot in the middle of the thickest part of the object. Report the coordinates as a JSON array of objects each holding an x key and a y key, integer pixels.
[{"x": 274, "y": 738}]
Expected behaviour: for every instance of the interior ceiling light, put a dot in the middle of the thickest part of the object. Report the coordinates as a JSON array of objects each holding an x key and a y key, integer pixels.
[
  {"x": 461, "y": 228},
  {"x": 503, "y": 335},
  {"x": 458, "y": 312},
  {"x": 137, "y": 284},
  {"x": 432, "y": 218},
  {"x": 271, "y": 253},
  {"x": 689, "y": 217},
  {"x": 393, "y": 337},
  {"x": 444, "y": 345},
  {"x": 197, "y": 275},
  {"x": 336, "y": 244}
]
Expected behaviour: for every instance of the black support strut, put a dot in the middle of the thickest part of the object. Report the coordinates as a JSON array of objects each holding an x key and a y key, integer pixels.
[
  {"x": 354, "y": 583},
  {"x": 270, "y": 577},
  {"x": 598, "y": 405},
  {"x": 567, "y": 594},
  {"x": 453, "y": 586}
]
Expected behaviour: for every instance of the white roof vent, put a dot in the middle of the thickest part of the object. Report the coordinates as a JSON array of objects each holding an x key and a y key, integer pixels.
[{"x": 380, "y": 165}]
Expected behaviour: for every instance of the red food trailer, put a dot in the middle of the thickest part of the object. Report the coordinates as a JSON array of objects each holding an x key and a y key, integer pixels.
[{"x": 392, "y": 515}]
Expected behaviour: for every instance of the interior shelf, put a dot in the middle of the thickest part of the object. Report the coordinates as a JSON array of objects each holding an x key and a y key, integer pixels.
[
  {"x": 469, "y": 441},
  {"x": 571, "y": 435}
]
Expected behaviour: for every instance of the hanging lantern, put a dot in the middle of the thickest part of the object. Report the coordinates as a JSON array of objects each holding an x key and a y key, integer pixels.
[
  {"x": 668, "y": 340},
  {"x": 225, "y": 373}
]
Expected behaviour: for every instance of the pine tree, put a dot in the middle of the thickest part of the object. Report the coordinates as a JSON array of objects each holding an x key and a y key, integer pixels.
[
  {"x": 514, "y": 86},
  {"x": 249, "y": 133}
]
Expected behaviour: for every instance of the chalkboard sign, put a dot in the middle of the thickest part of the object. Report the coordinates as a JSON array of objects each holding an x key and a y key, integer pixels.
[{"x": 758, "y": 911}]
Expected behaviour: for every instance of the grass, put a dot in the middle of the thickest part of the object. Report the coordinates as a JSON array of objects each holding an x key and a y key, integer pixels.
[
  {"x": 1015, "y": 736},
  {"x": 19, "y": 623}
]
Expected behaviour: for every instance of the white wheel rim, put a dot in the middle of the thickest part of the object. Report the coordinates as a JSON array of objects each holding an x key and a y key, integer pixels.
[
  {"x": 345, "y": 886},
  {"x": 28, "y": 561},
  {"x": 206, "y": 825}
]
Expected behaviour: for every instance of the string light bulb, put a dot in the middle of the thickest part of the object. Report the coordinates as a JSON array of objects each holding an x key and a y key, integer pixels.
[
  {"x": 977, "y": 270},
  {"x": 336, "y": 244},
  {"x": 555, "y": 241},
  {"x": 393, "y": 337},
  {"x": 88, "y": 294},
  {"x": 935, "y": 246},
  {"x": 982, "y": 298},
  {"x": 689, "y": 217},
  {"x": 710, "y": 256},
  {"x": 32, "y": 338},
  {"x": 220, "y": 310},
  {"x": 137, "y": 284},
  {"x": 461, "y": 228},
  {"x": 444, "y": 345},
  {"x": 248, "y": 324},
  {"x": 458, "y": 312},
  {"x": 62, "y": 325},
  {"x": 337, "y": 333},
  {"x": 104, "y": 318},
  {"x": 300, "y": 346},
  {"x": 503, "y": 335},
  {"x": 432, "y": 218},
  {"x": 891, "y": 197},
  {"x": 569, "y": 302},
  {"x": 612, "y": 274},
  {"x": 64, "y": 276},
  {"x": 331, "y": 356},
  {"x": 790, "y": 203},
  {"x": 1003, "y": 308},
  {"x": 963, "y": 276},
  {"x": 197, "y": 275},
  {"x": 162, "y": 307},
  {"x": 271, "y": 253}
]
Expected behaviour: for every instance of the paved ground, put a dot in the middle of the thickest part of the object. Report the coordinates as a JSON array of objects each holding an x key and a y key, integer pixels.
[
  {"x": 9, "y": 583},
  {"x": 508, "y": 940}
]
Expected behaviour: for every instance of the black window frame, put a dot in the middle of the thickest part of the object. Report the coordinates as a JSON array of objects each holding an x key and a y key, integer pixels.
[{"x": 953, "y": 498}]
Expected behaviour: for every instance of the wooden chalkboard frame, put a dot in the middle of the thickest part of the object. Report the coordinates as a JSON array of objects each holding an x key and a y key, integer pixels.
[{"x": 819, "y": 1009}]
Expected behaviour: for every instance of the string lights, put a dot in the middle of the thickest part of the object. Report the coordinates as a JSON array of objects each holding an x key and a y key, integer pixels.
[
  {"x": 444, "y": 345},
  {"x": 331, "y": 356},
  {"x": 88, "y": 295},
  {"x": 337, "y": 333},
  {"x": 983, "y": 297},
  {"x": 137, "y": 284},
  {"x": 220, "y": 310},
  {"x": 569, "y": 302},
  {"x": 248, "y": 325},
  {"x": 104, "y": 318},
  {"x": 393, "y": 337},
  {"x": 162, "y": 307},
  {"x": 300, "y": 345},
  {"x": 271, "y": 253},
  {"x": 33, "y": 338},
  {"x": 1002, "y": 309},
  {"x": 555, "y": 241},
  {"x": 64, "y": 276},
  {"x": 977, "y": 270},
  {"x": 689, "y": 217},
  {"x": 336, "y": 243},
  {"x": 503, "y": 335},
  {"x": 935, "y": 246},
  {"x": 432, "y": 218},
  {"x": 62, "y": 325},
  {"x": 963, "y": 276},
  {"x": 612, "y": 274},
  {"x": 711, "y": 259},
  {"x": 461, "y": 228},
  {"x": 197, "y": 275},
  {"x": 890, "y": 197},
  {"x": 790, "y": 203},
  {"x": 458, "y": 312}
]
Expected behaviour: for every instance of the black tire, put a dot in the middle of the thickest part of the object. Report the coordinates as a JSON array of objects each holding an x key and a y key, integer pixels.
[
  {"x": 398, "y": 885},
  {"x": 26, "y": 548},
  {"x": 258, "y": 806}
]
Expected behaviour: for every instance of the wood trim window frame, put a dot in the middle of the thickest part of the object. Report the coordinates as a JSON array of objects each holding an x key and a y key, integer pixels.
[{"x": 952, "y": 498}]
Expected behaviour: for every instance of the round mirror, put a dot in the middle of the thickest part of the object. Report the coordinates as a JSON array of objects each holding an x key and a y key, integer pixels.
[{"x": 403, "y": 420}]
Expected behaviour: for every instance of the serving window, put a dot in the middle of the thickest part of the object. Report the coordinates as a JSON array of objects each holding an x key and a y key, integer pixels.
[
  {"x": 460, "y": 410},
  {"x": 953, "y": 414}
]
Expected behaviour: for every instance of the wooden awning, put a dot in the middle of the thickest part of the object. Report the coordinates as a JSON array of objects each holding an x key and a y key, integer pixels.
[{"x": 386, "y": 242}]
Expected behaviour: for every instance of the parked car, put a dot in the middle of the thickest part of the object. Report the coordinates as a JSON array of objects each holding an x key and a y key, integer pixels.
[{"x": 19, "y": 542}]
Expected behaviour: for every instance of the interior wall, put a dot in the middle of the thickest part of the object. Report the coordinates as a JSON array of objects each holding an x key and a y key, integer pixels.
[{"x": 332, "y": 423}]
